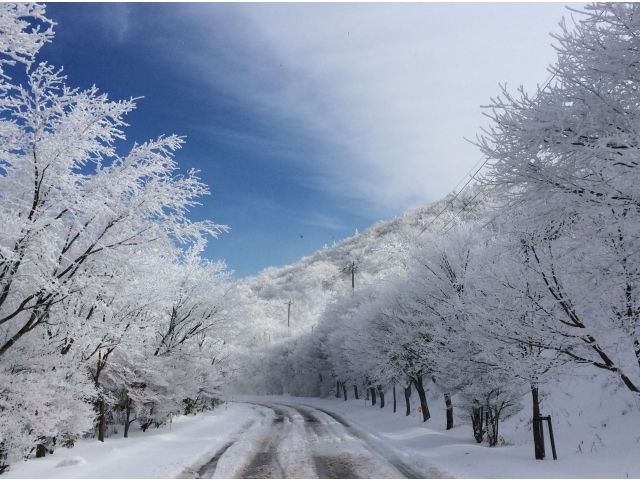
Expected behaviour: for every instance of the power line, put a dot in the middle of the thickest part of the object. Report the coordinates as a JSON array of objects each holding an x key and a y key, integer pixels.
[
  {"x": 545, "y": 85},
  {"x": 468, "y": 211},
  {"x": 456, "y": 195},
  {"x": 462, "y": 209},
  {"x": 469, "y": 172}
]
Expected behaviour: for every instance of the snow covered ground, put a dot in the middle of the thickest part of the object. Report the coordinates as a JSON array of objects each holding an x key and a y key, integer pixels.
[
  {"x": 156, "y": 453},
  {"x": 596, "y": 428}
]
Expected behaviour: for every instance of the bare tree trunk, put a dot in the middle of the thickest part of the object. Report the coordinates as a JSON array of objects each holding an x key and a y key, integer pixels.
[
  {"x": 146, "y": 425},
  {"x": 492, "y": 425},
  {"x": 373, "y": 396},
  {"x": 447, "y": 402},
  {"x": 394, "y": 397},
  {"x": 381, "y": 396},
  {"x": 538, "y": 440},
  {"x": 41, "y": 451},
  {"x": 101, "y": 424},
  {"x": 338, "y": 389},
  {"x": 407, "y": 395},
  {"x": 127, "y": 418},
  {"x": 355, "y": 391},
  {"x": 423, "y": 398},
  {"x": 477, "y": 416},
  {"x": 344, "y": 390}
]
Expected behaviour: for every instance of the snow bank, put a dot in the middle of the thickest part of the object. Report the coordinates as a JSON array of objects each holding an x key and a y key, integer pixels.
[{"x": 157, "y": 453}]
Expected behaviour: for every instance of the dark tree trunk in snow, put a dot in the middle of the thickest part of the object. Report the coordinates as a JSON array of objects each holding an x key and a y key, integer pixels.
[
  {"x": 477, "y": 416},
  {"x": 423, "y": 398},
  {"x": 394, "y": 397},
  {"x": 538, "y": 439},
  {"x": 338, "y": 389},
  {"x": 41, "y": 451},
  {"x": 101, "y": 424},
  {"x": 373, "y": 396},
  {"x": 355, "y": 392},
  {"x": 493, "y": 421},
  {"x": 344, "y": 390},
  {"x": 381, "y": 396},
  {"x": 447, "y": 402},
  {"x": 407, "y": 395},
  {"x": 127, "y": 418}
]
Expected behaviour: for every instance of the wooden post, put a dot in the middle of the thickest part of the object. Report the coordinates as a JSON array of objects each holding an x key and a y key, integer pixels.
[
  {"x": 544, "y": 453},
  {"x": 553, "y": 443}
]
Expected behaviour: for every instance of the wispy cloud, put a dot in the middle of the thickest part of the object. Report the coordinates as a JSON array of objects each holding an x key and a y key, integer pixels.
[
  {"x": 317, "y": 219},
  {"x": 115, "y": 18},
  {"x": 387, "y": 91}
]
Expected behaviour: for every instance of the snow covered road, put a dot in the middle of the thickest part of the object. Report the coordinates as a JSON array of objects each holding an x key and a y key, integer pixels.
[
  {"x": 295, "y": 441},
  {"x": 282, "y": 436}
]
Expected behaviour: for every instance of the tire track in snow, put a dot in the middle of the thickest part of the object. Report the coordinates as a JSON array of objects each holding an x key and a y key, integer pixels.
[
  {"x": 315, "y": 431},
  {"x": 406, "y": 470},
  {"x": 207, "y": 469},
  {"x": 338, "y": 453},
  {"x": 327, "y": 466},
  {"x": 265, "y": 463},
  {"x": 311, "y": 447}
]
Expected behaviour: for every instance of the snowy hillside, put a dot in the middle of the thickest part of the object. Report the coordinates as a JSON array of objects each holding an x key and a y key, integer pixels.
[{"x": 314, "y": 281}]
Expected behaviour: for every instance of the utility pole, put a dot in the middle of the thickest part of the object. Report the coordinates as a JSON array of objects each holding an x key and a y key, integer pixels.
[
  {"x": 288, "y": 304},
  {"x": 352, "y": 269},
  {"x": 353, "y": 274}
]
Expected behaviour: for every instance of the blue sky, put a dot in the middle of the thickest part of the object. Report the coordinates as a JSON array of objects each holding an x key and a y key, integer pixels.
[{"x": 307, "y": 119}]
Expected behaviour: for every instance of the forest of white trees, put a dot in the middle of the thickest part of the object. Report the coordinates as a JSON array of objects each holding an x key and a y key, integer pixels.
[
  {"x": 111, "y": 319},
  {"x": 493, "y": 293}
]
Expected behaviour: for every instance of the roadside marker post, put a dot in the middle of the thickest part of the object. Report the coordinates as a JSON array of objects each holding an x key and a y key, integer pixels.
[{"x": 553, "y": 443}]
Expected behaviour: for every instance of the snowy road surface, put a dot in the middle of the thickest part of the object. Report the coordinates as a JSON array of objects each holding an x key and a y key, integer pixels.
[{"x": 295, "y": 441}]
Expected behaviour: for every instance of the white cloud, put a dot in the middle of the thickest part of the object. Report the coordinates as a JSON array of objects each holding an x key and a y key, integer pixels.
[{"x": 393, "y": 88}]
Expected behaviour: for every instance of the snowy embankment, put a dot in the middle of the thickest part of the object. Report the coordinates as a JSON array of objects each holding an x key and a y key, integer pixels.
[
  {"x": 156, "y": 453},
  {"x": 596, "y": 429}
]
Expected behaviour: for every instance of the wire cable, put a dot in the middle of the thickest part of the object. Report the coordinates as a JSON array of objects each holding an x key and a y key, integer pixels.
[
  {"x": 545, "y": 85},
  {"x": 456, "y": 195}
]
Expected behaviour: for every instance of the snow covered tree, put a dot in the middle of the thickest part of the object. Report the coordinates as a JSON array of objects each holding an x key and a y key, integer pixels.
[
  {"x": 567, "y": 158},
  {"x": 21, "y": 38},
  {"x": 86, "y": 235}
]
